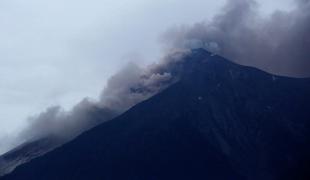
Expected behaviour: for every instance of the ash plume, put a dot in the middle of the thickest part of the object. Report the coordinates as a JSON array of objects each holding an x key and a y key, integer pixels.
[
  {"x": 279, "y": 43},
  {"x": 126, "y": 88}
]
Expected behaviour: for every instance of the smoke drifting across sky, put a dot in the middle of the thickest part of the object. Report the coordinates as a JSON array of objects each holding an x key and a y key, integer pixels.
[
  {"x": 278, "y": 44},
  {"x": 128, "y": 87},
  {"x": 57, "y": 52}
]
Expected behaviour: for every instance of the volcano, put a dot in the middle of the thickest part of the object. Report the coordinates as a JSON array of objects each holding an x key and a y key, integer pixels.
[{"x": 219, "y": 121}]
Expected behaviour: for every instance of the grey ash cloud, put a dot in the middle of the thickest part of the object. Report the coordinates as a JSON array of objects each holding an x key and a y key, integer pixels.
[
  {"x": 126, "y": 88},
  {"x": 279, "y": 43}
]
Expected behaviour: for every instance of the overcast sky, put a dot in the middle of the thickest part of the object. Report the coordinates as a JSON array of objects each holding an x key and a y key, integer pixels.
[{"x": 56, "y": 52}]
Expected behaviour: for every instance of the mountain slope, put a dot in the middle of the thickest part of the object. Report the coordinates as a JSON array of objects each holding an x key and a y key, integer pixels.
[
  {"x": 36, "y": 147},
  {"x": 26, "y": 152},
  {"x": 219, "y": 121}
]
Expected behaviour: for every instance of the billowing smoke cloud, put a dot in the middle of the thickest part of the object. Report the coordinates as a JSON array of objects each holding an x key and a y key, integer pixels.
[
  {"x": 128, "y": 87},
  {"x": 279, "y": 43},
  {"x": 56, "y": 126}
]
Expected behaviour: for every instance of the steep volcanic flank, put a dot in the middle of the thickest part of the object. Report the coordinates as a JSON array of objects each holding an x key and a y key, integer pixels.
[
  {"x": 218, "y": 121},
  {"x": 26, "y": 152}
]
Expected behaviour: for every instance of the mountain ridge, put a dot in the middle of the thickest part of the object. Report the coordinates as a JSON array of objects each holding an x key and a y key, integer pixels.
[{"x": 219, "y": 121}]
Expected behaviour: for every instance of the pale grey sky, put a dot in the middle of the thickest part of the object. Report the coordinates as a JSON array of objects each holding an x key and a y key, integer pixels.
[{"x": 56, "y": 52}]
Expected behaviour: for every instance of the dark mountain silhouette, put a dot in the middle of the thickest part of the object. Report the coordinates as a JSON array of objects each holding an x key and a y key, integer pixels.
[
  {"x": 220, "y": 121},
  {"x": 37, "y": 147},
  {"x": 26, "y": 152}
]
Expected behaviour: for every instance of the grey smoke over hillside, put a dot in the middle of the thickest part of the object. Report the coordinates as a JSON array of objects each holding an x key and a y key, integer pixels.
[
  {"x": 128, "y": 87},
  {"x": 279, "y": 43}
]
